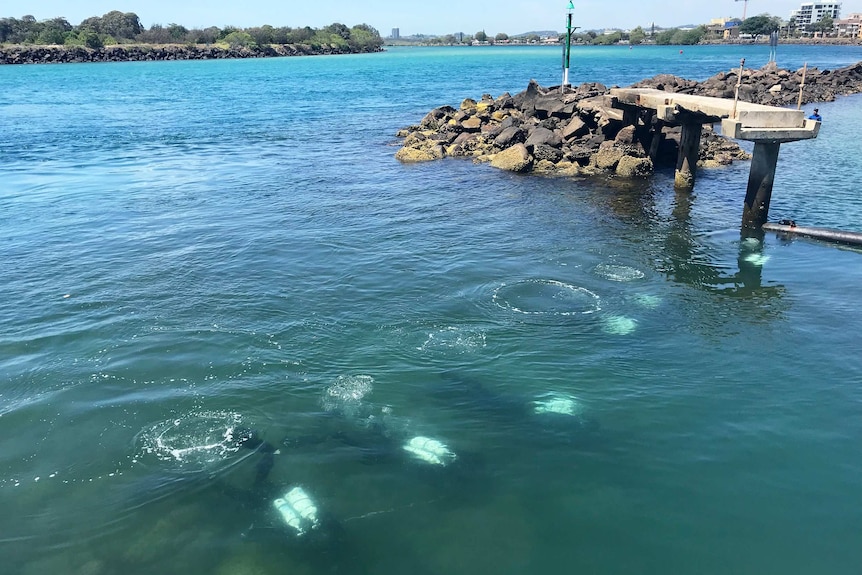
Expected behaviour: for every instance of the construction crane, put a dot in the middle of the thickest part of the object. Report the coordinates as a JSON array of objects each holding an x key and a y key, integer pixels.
[{"x": 744, "y": 8}]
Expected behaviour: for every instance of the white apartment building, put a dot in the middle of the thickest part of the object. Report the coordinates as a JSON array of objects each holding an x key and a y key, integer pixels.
[{"x": 813, "y": 12}]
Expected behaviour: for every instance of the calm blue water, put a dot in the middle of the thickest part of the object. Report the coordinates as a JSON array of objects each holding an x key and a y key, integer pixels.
[{"x": 189, "y": 248}]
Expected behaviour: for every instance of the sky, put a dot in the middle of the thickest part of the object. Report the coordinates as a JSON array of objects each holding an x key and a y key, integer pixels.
[{"x": 417, "y": 17}]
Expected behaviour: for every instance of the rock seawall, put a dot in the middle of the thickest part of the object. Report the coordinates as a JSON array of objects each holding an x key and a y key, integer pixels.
[
  {"x": 144, "y": 53},
  {"x": 768, "y": 85},
  {"x": 541, "y": 130}
]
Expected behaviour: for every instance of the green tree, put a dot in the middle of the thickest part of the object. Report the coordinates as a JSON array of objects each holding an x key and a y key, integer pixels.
[
  {"x": 607, "y": 39},
  {"x": 665, "y": 37},
  {"x": 23, "y": 31},
  {"x": 205, "y": 36},
  {"x": 365, "y": 38},
  {"x": 825, "y": 25},
  {"x": 239, "y": 38},
  {"x": 262, "y": 35},
  {"x": 93, "y": 23},
  {"x": 637, "y": 36},
  {"x": 54, "y": 31},
  {"x": 177, "y": 32},
  {"x": 90, "y": 39},
  {"x": 51, "y": 36},
  {"x": 338, "y": 29},
  {"x": 157, "y": 34},
  {"x": 481, "y": 36},
  {"x": 501, "y": 37},
  {"x": 120, "y": 25},
  {"x": 680, "y": 37},
  {"x": 761, "y": 25}
]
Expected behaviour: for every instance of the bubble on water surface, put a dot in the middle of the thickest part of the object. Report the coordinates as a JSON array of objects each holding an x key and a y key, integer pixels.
[
  {"x": 346, "y": 393},
  {"x": 546, "y": 297},
  {"x": 195, "y": 440},
  {"x": 454, "y": 338},
  {"x": 618, "y": 273}
]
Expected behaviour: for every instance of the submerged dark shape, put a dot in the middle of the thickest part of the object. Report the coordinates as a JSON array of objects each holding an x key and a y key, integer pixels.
[
  {"x": 549, "y": 416},
  {"x": 250, "y": 439}
]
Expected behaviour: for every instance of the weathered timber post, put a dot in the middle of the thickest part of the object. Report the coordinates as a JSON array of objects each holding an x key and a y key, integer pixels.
[
  {"x": 760, "y": 181},
  {"x": 686, "y": 162},
  {"x": 630, "y": 116},
  {"x": 656, "y": 134}
]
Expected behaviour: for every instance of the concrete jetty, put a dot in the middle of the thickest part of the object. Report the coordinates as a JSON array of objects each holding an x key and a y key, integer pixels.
[{"x": 767, "y": 126}]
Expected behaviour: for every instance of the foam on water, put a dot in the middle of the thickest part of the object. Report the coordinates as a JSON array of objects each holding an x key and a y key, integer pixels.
[
  {"x": 195, "y": 440},
  {"x": 455, "y": 339},
  {"x": 546, "y": 297},
  {"x": 618, "y": 273},
  {"x": 346, "y": 393}
]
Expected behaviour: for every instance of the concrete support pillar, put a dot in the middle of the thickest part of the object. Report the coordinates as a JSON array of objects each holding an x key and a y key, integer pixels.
[
  {"x": 686, "y": 163},
  {"x": 760, "y": 179}
]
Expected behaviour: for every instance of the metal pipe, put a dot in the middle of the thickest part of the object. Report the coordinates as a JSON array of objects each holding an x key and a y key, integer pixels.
[{"x": 838, "y": 236}]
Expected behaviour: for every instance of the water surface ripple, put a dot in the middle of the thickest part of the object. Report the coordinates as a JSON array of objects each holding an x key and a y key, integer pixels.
[{"x": 192, "y": 250}]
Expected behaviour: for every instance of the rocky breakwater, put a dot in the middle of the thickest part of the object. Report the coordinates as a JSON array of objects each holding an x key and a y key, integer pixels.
[
  {"x": 768, "y": 85},
  {"x": 544, "y": 131},
  {"x": 144, "y": 53}
]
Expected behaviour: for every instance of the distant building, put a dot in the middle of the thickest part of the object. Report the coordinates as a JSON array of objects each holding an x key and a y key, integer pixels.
[
  {"x": 723, "y": 28},
  {"x": 851, "y": 27},
  {"x": 812, "y": 13},
  {"x": 396, "y": 33}
]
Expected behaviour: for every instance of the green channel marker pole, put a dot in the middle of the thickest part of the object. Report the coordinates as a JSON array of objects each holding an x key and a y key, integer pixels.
[{"x": 568, "y": 50}]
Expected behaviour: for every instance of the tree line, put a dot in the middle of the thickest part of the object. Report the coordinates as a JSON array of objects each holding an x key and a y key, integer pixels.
[{"x": 117, "y": 27}]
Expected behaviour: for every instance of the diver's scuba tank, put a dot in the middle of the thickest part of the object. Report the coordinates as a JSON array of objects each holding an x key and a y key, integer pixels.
[
  {"x": 297, "y": 510},
  {"x": 429, "y": 450}
]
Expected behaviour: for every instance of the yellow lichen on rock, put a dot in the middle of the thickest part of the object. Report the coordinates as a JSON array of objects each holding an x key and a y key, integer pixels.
[
  {"x": 514, "y": 159},
  {"x": 415, "y": 155},
  {"x": 631, "y": 167}
]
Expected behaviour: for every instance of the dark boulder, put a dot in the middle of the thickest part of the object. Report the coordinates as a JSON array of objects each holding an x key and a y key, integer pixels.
[
  {"x": 541, "y": 135},
  {"x": 509, "y": 136},
  {"x": 546, "y": 152}
]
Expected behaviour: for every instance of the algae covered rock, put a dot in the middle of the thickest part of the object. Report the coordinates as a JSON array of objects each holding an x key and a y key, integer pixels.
[
  {"x": 416, "y": 155},
  {"x": 514, "y": 159},
  {"x": 608, "y": 158},
  {"x": 631, "y": 167}
]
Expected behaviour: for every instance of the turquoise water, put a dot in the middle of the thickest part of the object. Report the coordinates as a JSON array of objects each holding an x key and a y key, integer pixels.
[{"x": 193, "y": 247}]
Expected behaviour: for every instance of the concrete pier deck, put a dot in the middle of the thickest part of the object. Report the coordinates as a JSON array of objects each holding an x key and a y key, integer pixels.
[{"x": 753, "y": 122}]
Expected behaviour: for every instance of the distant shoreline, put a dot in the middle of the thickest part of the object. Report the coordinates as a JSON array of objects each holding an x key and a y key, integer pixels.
[
  {"x": 17, "y": 54},
  {"x": 764, "y": 41}
]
